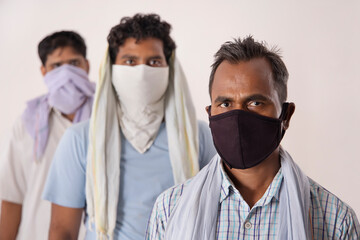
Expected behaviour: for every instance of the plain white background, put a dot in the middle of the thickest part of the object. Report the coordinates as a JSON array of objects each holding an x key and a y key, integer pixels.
[{"x": 320, "y": 46}]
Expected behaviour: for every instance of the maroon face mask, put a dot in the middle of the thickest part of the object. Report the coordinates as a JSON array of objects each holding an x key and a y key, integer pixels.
[{"x": 244, "y": 139}]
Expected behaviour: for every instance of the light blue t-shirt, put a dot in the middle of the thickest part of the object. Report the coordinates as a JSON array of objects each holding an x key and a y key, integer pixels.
[{"x": 143, "y": 177}]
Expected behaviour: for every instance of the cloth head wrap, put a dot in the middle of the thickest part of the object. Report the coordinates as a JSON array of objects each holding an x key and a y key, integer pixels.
[
  {"x": 63, "y": 84},
  {"x": 103, "y": 166}
]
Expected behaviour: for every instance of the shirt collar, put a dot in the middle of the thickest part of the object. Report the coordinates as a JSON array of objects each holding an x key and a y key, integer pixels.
[
  {"x": 226, "y": 185},
  {"x": 57, "y": 112},
  {"x": 273, "y": 191},
  {"x": 59, "y": 115}
]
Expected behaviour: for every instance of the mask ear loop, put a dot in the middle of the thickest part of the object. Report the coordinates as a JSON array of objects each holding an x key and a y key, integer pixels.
[
  {"x": 209, "y": 111},
  {"x": 283, "y": 115},
  {"x": 284, "y": 111}
]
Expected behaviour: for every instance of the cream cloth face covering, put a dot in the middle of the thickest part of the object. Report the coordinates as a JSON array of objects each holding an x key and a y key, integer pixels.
[{"x": 141, "y": 93}]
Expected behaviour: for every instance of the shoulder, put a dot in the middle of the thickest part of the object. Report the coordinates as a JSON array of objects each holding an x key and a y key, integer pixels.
[
  {"x": 74, "y": 142},
  {"x": 167, "y": 200},
  {"x": 18, "y": 130},
  {"x": 326, "y": 200},
  {"x": 339, "y": 217},
  {"x": 17, "y": 137},
  {"x": 80, "y": 129},
  {"x": 162, "y": 210}
]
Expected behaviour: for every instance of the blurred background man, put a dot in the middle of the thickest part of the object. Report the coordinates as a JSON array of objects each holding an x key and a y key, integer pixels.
[{"x": 31, "y": 144}]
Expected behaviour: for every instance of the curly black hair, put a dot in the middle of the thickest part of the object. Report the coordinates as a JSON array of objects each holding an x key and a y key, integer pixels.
[
  {"x": 140, "y": 26},
  {"x": 61, "y": 39}
]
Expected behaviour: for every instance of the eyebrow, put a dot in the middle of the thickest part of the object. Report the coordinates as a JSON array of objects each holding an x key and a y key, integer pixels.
[
  {"x": 223, "y": 99},
  {"x": 62, "y": 62},
  {"x": 155, "y": 57},
  {"x": 129, "y": 56},
  {"x": 256, "y": 97}
]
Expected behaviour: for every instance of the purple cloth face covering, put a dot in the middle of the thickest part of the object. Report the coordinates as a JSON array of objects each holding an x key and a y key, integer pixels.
[{"x": 70, "y": 91}]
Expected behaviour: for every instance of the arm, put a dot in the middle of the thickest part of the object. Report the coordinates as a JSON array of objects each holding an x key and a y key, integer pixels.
[
  {"x": 65, "y": 186},
  {"x": 161, "y": 212},
  {"x": 350, "y": 228},
  {"x": 65, "y": 222},
  {"x": 10, "y": 220},
  {"x": 15, "y": 158}
]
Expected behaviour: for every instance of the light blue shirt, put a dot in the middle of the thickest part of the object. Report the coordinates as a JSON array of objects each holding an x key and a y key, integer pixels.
[{"x": 143, "y": 177}]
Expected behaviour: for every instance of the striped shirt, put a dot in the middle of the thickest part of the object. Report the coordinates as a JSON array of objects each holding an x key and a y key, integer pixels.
[{"x": 330, "y": 217}]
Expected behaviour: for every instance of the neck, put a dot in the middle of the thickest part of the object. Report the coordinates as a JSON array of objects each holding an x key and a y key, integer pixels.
[
  {"x": 253, "y": 182},
  {"x": 70, "y": 117}
]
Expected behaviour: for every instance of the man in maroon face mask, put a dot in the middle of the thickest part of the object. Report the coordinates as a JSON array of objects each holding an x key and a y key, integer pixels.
[{"x": 252, "y": 188}]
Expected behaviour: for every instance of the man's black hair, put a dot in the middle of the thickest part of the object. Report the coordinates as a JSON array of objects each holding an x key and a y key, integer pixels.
[
  {"x": 140, "y": 26},
  {"x": 61, "y": 39},
  {"x": 246, "y": 49}
]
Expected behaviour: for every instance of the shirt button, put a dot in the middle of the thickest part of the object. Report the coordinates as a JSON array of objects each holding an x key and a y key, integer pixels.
[{"x": 248, "y": 225}]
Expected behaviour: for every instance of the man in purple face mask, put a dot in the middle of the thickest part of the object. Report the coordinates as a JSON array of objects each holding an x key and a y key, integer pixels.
[
  {"x": 252, "y": 189},
  {"x": 35, "y": 136}
]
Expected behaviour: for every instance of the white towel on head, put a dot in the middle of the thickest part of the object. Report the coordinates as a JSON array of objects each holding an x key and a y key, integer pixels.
[
  {"x": 103, "y": 166},
  {"x": 194, "y": 217}
]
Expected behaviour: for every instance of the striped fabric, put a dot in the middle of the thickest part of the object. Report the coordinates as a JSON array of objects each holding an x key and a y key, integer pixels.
[{"x": 330, "y": 217}]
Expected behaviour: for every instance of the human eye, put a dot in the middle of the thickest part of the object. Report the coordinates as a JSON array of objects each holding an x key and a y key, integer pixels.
[
  {"x": 155, "y": 63},
  {"x": 225, "y": 105},
  {"x": 129, "y": 62},
  {"x": 255, "y": 103},
  {"x": 55, "y": 65},
  {"x": 74, "y": 62}
]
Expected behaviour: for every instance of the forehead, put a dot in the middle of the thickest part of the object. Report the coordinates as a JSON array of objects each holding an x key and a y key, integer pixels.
[
  {"x": 147, "y": 46},
  {"x": 243, "y": 79},
  {"x": 63, "y": 54}
]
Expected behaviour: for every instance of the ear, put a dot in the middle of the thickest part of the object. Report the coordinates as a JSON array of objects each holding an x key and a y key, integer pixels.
[
  {"x": 290, "y": 112},
  {"x": 87, "y": 66},
  {"x": 43, "y": 70},
  {"x": 208, "y": 110}
]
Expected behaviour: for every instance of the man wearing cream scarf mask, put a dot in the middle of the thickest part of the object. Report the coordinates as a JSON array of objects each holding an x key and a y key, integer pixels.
[
  {"x": 252, "y": 189},
  {"x": 27, "y": 153},
  {"x": 142, "y": 138}
]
